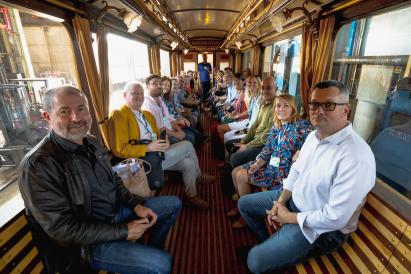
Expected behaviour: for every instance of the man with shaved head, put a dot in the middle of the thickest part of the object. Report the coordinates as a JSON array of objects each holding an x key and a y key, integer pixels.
[{"x": 82, "y": 216}]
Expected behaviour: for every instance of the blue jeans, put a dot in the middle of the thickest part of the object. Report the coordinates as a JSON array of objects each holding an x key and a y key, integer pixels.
[
  {"x": 124, "y": 256},
  {"x": 288, "y": 246}
]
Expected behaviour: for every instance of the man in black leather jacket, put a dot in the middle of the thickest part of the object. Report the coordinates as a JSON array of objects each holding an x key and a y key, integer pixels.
[{"x": 82, "y": 216}]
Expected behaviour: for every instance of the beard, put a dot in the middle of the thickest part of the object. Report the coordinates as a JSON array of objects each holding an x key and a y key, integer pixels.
[{"x": 74, "y": 131}]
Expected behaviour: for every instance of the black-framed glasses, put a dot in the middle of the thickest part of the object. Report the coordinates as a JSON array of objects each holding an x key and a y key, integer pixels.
[{"x": 327, "y": 106}]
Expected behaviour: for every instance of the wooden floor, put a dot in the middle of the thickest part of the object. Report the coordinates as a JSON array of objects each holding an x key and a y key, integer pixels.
[{"x": 203, "y": 241}]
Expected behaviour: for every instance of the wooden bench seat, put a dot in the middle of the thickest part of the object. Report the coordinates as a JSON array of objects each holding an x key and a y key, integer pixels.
[{"x": 381, "y": 244}]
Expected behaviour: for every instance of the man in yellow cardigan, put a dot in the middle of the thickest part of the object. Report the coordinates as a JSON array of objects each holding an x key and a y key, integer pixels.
[{"x": 134, "y": 134}]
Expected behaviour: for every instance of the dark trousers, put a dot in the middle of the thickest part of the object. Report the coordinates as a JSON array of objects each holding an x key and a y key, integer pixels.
[
  {"x": 205, "y": 89},
  {"x": 156, "y": 177},
  {"x": 242, "y": 157}
]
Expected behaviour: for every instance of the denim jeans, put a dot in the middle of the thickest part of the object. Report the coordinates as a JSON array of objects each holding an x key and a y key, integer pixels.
[
  {"x": 124, "y": 256},
  {"x": 288, "y": 246},
  {"x": 242, "y": 157}
]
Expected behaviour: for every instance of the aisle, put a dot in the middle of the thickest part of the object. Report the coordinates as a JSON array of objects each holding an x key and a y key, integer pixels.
[{"x": 203, "y": 241}]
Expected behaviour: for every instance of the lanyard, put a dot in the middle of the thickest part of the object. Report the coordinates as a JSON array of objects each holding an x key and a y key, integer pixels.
[
  {"x": 281, "y": 134},
  {"x": 142, "y": 119}
]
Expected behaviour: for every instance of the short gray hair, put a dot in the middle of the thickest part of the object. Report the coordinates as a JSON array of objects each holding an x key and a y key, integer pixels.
[
  {"x": 272, "y": 79},
  {"x": 130, "y": 85},
  {"x": 48, "y": 98}
]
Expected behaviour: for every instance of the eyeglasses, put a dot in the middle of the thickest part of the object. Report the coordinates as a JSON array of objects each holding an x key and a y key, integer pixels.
[{"x": 327, "y": 106}]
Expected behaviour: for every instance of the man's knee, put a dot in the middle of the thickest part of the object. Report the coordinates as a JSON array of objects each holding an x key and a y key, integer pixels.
[
  {"x": 162, "y": 263},
  {"x": 256, "y": 260},
  {"x": 243, "y": 203}
]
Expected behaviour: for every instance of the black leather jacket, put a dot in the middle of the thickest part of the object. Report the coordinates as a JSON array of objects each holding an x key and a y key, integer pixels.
[{"x": 58, "y": 204}]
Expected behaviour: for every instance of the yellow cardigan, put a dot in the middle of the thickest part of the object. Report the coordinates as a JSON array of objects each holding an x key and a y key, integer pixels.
[{"x": 123, "y": 127}]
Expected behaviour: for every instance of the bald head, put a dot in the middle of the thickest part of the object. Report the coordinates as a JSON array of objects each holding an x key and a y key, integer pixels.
[
  {"x": 66, "y": 108},
  {"x": 269, "y": 89}
]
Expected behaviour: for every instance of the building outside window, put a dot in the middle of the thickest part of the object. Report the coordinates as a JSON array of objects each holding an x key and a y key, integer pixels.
[{"x": 128, "y": 61}]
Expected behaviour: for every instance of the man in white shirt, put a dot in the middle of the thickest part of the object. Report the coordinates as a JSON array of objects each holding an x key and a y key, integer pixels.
[{"x": 323, "y": 194}]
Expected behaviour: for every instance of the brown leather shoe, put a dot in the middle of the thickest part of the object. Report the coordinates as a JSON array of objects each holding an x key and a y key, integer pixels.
[
  {"x": 239, "y": 224},
  {"x": 233, "y": 212},
  {"x": 206, "y": 179},
  {"x": 197, "y": 202}
]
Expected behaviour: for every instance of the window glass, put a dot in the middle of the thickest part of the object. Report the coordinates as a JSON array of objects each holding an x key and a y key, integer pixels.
[
  {"x": 36, "y": 54},
  {"x": 371, "y": 58},
  {"x": 190, "y": 66},
  {"x": 165, "y": 63},
  {"x": 224, "y": 65},
  {"x": 248, "y": 59},
  {"x": 283, "y": 59},
  {"x": 268, "y": 55},
  {"x": 128, "y": 61}
]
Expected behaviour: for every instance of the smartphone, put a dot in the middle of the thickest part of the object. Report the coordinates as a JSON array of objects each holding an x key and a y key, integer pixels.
[{"x": 163, "y": 135}]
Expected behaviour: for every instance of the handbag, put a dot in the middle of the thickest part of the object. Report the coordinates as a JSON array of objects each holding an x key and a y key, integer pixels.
[{"x": 134, "y": 176}]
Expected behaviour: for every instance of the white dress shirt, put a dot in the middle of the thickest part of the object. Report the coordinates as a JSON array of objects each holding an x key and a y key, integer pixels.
[
  {"x": 330, "y": 182},
  {"x": 159, "y": 111}
]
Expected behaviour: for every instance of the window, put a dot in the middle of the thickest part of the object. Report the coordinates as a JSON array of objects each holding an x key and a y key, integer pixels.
[
  {"x": 128, "y": 61},
  {"x": 282, "y": 60},
  {"x": 248, "y": 59},
  {"x": 224, "y": 65},
  {"x": 36, "y": 54},
  {"x": 190, "y": 66},
  {"x": 371, "y": 58},
  {"x": 165, "y": 63},
  {"x": 267, "y": 61}
]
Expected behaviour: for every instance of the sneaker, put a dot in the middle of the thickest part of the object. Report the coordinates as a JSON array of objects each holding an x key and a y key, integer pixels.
[
  {"x": 206, "y": 179},
  {"x": 197, "y": 202}
]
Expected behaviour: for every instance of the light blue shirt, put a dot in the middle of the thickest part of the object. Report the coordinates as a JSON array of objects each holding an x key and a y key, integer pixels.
[
  {"x": 330, "y": 182},
  {"x": 231, "y": 94}
]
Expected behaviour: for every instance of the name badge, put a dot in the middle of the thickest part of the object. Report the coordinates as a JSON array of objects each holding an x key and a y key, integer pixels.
[
  {"x": 153, "y": 137},
  {"x": 165, "y": 120},
  {"x": 275, "y": 161}
]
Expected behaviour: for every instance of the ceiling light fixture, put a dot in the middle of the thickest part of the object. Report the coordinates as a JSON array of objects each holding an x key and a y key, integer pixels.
[
  {"x": 277, "y": 21},
  {"x": 238, "y": 44},
  {"x": 185, "y": 51},
  {"x": 227, "y": 51},
  {"x": 173, "y": 45},
  {"x": 131, "y": 19}
]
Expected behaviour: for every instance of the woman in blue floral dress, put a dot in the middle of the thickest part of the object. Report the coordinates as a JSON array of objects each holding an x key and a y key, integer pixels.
[{"x": 272, "y": 165}]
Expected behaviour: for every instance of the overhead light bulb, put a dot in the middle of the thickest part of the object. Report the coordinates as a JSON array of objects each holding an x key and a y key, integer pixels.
[
  {"x": 238, "y": 44},
  {"x": 132, "y": 21},
  {"x": 227, "y": 51},
  {"x": 185, "y": 51},
  {"x": 277, "y": 21},
  {"x": 173, "y": 45}
]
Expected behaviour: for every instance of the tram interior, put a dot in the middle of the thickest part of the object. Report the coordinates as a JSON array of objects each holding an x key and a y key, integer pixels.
[{"x": 369, "y": 51}]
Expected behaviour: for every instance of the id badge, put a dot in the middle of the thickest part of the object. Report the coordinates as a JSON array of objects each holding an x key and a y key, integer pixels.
[
  {"x": 275, "y": 161},
  {"x": 153, "y": 137},
  {"x": 165, "y": 120}
]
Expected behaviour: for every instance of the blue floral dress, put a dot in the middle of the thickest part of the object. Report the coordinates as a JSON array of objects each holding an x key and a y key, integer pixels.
[{"x": 281, "y": 143}]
